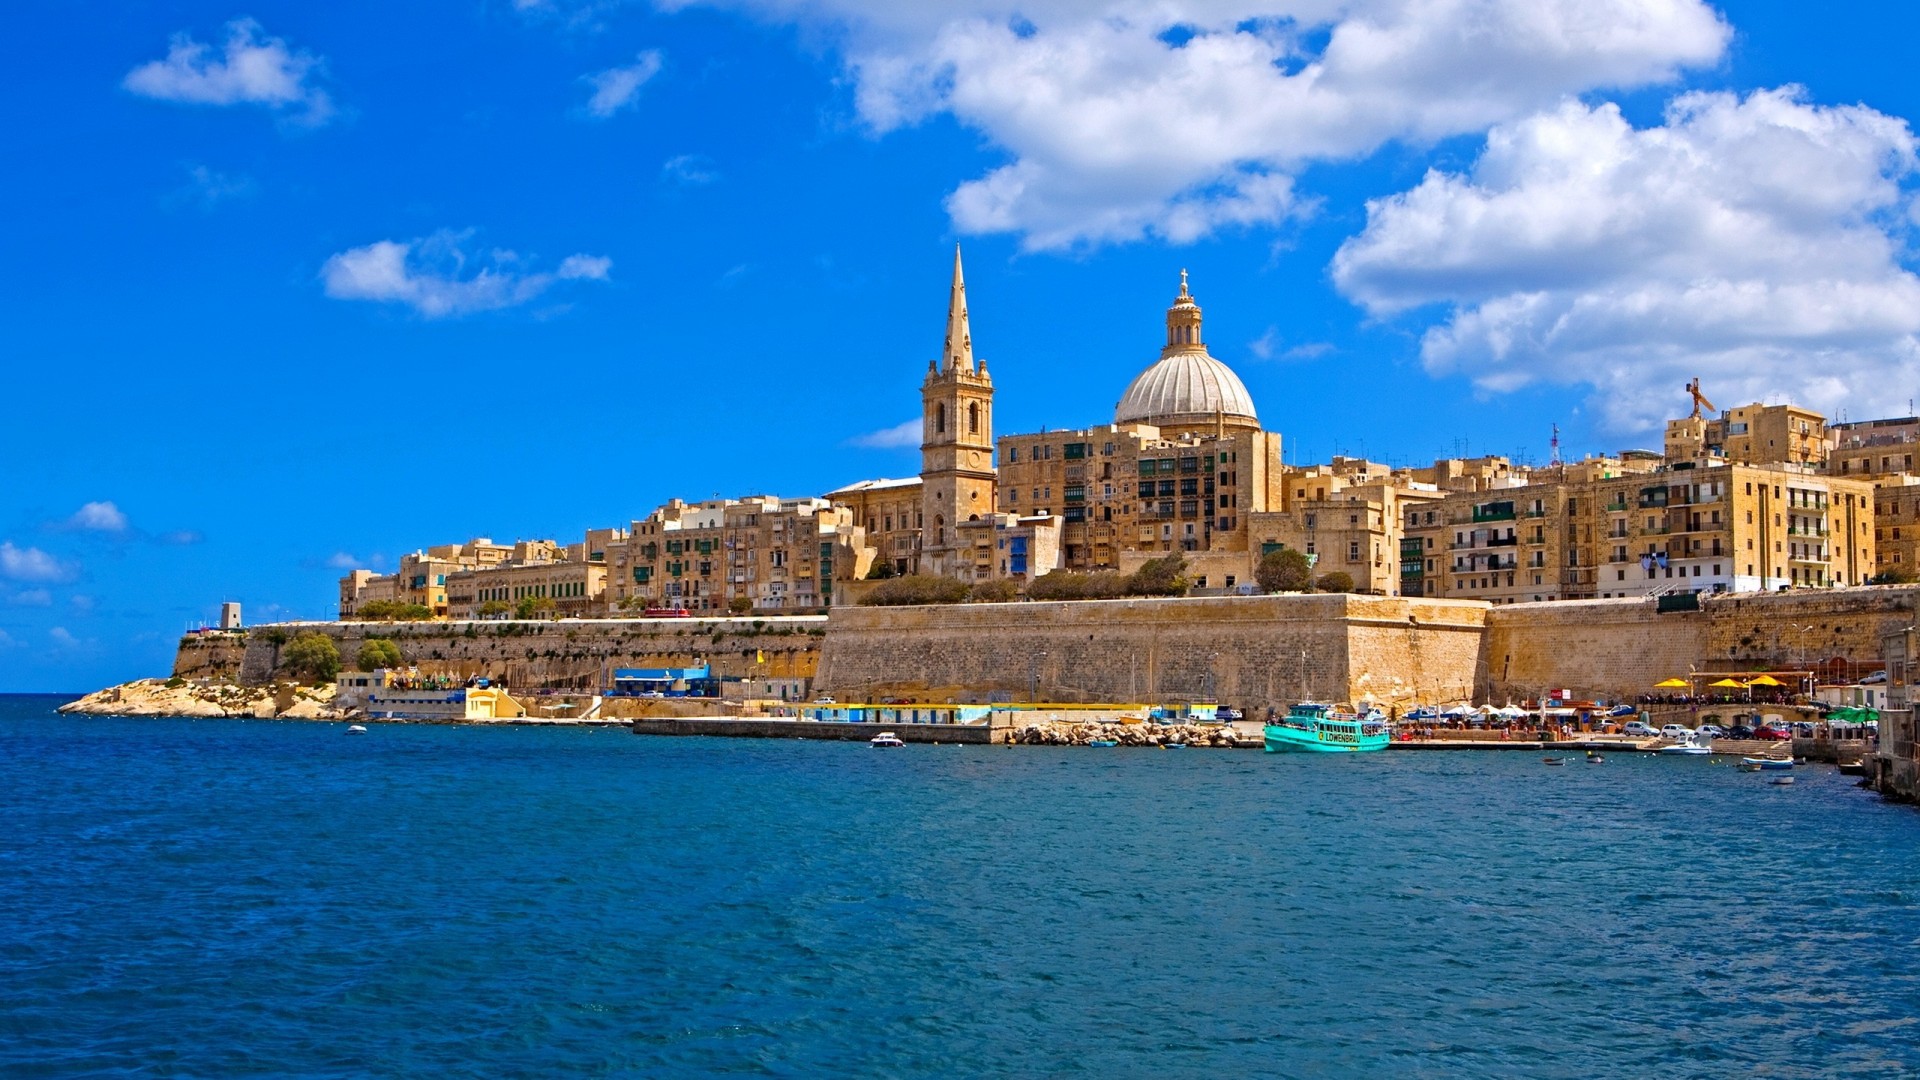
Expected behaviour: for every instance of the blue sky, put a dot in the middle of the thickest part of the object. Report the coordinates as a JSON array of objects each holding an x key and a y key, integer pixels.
[{"x": 295, "y": 287}]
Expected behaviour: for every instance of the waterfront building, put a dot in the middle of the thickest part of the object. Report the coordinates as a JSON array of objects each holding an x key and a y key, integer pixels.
[
  {"x": 775, "y": 554},
  {"x": 1753, "y": 434}
]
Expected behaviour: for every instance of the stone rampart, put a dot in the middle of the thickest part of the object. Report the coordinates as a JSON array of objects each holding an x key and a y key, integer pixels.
[
  {"x": 1595, "y": 648},
  {"x": 1249, "y": 651},
  {"x": 582, "y": 654},
  {"x": 214, "y": 654},
  {"x": 1838, "y": 630}
]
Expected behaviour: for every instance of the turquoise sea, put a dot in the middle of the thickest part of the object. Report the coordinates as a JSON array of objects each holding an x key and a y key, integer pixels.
[{"x": 254, "y": 898}]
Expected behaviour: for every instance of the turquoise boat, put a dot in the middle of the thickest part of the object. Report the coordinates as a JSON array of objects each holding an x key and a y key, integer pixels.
[{"x": 1312, "y": 727}]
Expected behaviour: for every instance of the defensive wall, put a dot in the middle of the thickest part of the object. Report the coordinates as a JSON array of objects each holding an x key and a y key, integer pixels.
[
  {"x": 542, "y": 653},
  {"x": 1249, "y": 651}
]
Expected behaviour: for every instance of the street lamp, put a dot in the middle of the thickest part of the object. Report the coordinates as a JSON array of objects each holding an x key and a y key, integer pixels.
[
  {"x": 1033, "y": 676},
  {"x": 1802, "y": 659}
]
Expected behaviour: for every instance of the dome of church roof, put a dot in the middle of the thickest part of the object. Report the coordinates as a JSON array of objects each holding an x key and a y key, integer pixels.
[
  {"x": 1190, "y": 386},
  {"x": 1186, "y": 387}
]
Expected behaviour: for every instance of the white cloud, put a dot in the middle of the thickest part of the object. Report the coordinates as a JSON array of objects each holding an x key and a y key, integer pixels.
[
  {"x": 430, "y": 275},
  {"x": 64, "y": 638},
  {"x": 7, "y": 640},
  {"x": 689, "y": 170},
  {"x": 82, "y": 603},
  {"x": 31, "y": 564},
  {"x": 897, "y": 437},
  {"x": 1745, "y": 241},
  {"x": 98, "y": 517},
  {"x": 251, "y": 69},
  {"x": 31, "y": 598},
  {"x": 617, "y": 88},
  {"x": 1177, "y": 118},
  {"x": 341, "y": 560}
]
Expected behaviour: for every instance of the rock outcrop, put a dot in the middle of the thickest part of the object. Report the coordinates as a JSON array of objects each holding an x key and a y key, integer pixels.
[{"x": 209, "y": 698}]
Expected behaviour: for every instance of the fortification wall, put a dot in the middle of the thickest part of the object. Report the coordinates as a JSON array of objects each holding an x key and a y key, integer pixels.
[
  {"x": 582, "y": 654},
  {"x": 1250, "y": 651},
  {"x": 1840, "y": 628},
  {"x": 1595, "y": 648},
  {"x": 217, "y": 655}
]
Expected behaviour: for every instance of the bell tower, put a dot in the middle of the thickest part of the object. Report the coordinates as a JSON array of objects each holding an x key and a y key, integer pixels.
[{"x": 957, "y": 476}]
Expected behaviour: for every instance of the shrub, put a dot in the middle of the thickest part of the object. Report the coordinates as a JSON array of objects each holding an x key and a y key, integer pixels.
[
  {"x": 394, "y": 611},
  {"x": 993, "y": 592},
  {"x": 1334, "y": 581},
  {"x": 918, "y": 589}
]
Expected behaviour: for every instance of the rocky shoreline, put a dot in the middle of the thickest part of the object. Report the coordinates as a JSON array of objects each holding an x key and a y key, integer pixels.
[
  {"x": 209, "y": 699},
  {"x": 1121, "y": 734}
]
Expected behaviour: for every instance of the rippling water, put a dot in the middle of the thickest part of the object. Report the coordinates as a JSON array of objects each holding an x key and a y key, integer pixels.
[{"x": 214, "y": 898}]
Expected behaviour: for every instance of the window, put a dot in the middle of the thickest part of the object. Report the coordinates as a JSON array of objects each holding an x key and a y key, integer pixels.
[
  {"x": 939, "y": 418},
  {"x": 973, "y": 418}
]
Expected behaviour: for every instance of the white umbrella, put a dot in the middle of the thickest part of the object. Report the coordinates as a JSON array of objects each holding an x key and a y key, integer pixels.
[
  {"x": 1462, "y": 709},
  {"x": 1512, "y": 712}
]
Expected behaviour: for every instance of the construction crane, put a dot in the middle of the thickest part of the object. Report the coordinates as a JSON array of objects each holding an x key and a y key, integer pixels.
[{"x": 1699, "y": 399}]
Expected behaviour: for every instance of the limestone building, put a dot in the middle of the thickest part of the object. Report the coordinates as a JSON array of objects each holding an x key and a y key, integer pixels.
[
  {"x": 1181, "y": 468},
  {"x": 957, "y": 477}
]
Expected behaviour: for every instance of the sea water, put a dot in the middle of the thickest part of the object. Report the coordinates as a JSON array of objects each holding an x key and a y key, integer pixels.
[{"x": 230, "y": 898}]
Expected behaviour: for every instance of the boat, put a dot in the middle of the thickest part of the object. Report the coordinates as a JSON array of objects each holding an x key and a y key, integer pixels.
[
  {"x": 1768, "y": 764},
  {"x": 1316, "y": 727},
  {"x": 1103, "y": 742},
  {"x": 356, "y": 729},
  {"x": 1783, "y": 781},
  {"x": 885, "y": 738},
  {"x": 1694, "y": 745},
  {"x": 1553, "y": 760},
  {"x": 1176, "y": 746},
  {"x": 1593, "y": 758},
  {"x": 1852, "y": 768}
]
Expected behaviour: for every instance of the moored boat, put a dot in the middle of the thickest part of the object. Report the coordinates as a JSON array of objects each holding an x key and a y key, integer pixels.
[
  {"x": 1694, "y": 745},
  {"x": 356, "y": 729},
  {"x": 885, "y": 738},
  {"x": 1766, "y": 764},
  {"x": 1315, "y": 727},
  {"x": 1103, "y": 742}
]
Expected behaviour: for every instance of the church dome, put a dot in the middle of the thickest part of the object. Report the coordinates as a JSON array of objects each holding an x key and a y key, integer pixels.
[{"x": 1186, "y": 387}]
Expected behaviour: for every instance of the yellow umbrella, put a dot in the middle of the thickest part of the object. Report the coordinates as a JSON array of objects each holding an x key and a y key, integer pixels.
[
  {"x": 1671, "y": 684},
  {"x": 1766, "y": 680},
  {"x": 1728, "y": 682}
]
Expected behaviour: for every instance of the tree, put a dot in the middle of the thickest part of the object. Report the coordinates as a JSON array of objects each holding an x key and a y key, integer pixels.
[
  {"x": 882, "y": 570},
  {"x": 1896, "y": 576},
  {"x": 496, "y": 607},
  {"x": 534, "y": 607},
  {"x": 1285, "y": 570},
  {"x": 999, "y": 591},
  {"x": 394, "y": 611},
  {"x": 740, "y": 605},
  {"x": 1164, "y": 576},
  {"x": 313, "y": 656},
  {"x": 377, "y": 653},
  {"x": 1335, "y": 581}
]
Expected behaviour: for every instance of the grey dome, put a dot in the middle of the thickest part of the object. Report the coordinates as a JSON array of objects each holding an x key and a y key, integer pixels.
[{"x": 1187, "y": 386}]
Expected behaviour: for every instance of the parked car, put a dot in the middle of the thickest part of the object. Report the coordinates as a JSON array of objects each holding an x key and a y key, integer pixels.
[
  {"x": 1712, "y": 731},
  {"x": 1226, "y": 714},
  {"x": 1676, "y": 731},
  {"x": 1769, "y": 731},
  {"x": 1740, "y": 731},
  {"x": 1876, "y": 677},
  {"x": 823, "y": 700},
  {"x": 1639, "y": 729}
]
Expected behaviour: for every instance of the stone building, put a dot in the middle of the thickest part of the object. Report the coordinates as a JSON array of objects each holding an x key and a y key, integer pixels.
[
  {"x": 1181, "y": 468},
  {"x": 777, "y": 554},
  {"x": 957, "y": 477}
]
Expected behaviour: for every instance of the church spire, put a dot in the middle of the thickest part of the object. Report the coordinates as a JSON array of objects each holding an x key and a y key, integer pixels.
[{"x": 959, "y": 353}]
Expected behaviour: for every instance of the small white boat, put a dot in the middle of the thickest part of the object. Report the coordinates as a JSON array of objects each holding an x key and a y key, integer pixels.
[
  {"x": 885, "y": 738},
  {"x": 356, "y": 729},
  {"x": 1782, "y": 781},
  {"x": 1765, "y": 764},
  {"x": 1694, "y": 745}
]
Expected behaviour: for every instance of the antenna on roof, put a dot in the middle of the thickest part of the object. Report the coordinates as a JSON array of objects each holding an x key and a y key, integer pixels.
[{"x": 1555, "y": 460}]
